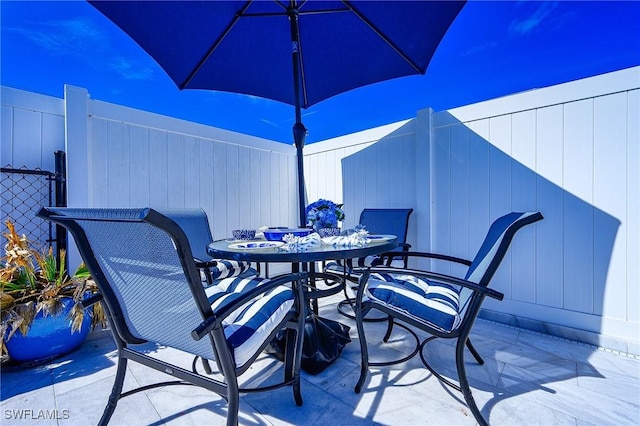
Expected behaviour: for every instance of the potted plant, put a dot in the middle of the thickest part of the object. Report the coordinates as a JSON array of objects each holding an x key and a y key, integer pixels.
[
  {"x": 41, "y": 306},
  {"x": 323, "y": 216}
]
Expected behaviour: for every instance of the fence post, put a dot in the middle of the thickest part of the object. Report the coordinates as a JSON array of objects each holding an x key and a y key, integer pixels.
[
  {"x": 61, "y": 201},
  {"x": 77, "y": 146}
]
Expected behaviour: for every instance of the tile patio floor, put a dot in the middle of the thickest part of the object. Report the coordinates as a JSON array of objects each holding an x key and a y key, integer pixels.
[{"x": 528, "y": 378}]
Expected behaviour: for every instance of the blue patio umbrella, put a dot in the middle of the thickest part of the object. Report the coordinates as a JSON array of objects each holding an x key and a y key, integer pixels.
[{"x": 297, "y": 52}]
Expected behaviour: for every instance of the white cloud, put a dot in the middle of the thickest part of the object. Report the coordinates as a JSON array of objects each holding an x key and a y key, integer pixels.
[
  {"x": 60, "y": 37},
  {"x": 130, "y": 70},
  {"x": 529, "y": 23},
  {"x": 269, "y": 122},
  {"x": 480, "y": 49},
  {"x": 78, "y": 37},
  {"x": 308, "y": 113}
]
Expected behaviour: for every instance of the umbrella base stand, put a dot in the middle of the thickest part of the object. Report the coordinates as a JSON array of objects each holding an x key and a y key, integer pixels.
[{"x": 324, "y": 340}]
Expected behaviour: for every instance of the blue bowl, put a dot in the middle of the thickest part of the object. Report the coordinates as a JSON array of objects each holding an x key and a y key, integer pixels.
[
  {"x": 244, "y": 234},
  {"x": 277, "y": 234}
]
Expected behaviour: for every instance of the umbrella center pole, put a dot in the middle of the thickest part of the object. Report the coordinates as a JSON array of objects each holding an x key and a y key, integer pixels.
[
  {"x": 292, "y": 13},
  {"x": 299, "y": 131},
  {"x": 299, "y": 134}
]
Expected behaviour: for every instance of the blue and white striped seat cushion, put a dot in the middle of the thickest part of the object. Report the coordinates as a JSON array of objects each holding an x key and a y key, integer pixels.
[
  {"x": 360, "y": 262},
  {"x": 248, "y": 327},
  {"x": 228, "y": 268},
  {"x": 425, "y": 301}
]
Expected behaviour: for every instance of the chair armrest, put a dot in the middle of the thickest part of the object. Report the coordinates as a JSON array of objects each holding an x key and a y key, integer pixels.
[
  {"x": 485, "y": 291},
  {"x": 204, "y": 263},
  {"x": 225, "y": 310},
  {"x": 409, "y": 254}
]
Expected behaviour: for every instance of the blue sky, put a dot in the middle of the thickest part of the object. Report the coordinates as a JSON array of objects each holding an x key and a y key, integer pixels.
[{"x": 491, "y": 50}]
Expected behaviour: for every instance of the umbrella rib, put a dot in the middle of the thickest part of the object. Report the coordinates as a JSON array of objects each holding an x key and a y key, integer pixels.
[
  {"x": 384, "y": 38},
  {"x": 322, "y": 11},
  {"x": 305, "y": 13},
  {"x": 214, "y": 46}
]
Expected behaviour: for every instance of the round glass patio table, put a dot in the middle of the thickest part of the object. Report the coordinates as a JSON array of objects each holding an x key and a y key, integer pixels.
[{"x": 221, "y": 249}]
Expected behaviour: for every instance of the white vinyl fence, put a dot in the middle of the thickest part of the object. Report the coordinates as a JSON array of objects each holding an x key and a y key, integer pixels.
[
  {"x": 136, "y": 158},
  {"x": 32, "y": 129},
  {"x": 571, "y": 151}
]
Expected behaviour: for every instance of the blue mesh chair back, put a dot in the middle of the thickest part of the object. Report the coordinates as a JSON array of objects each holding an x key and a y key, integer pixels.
[
  {"x": 143, "y": 266},
  {"x": 195, "y": 224},
  {"x": 387, "y": 221},
  {"x": 494, "y": 248}
]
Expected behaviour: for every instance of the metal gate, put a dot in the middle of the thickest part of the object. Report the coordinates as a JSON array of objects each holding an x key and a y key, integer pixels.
[{"x": 23, "y": 192}]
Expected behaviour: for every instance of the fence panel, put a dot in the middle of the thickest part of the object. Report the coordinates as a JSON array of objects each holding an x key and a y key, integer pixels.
[{"x": 24, "y": 191}]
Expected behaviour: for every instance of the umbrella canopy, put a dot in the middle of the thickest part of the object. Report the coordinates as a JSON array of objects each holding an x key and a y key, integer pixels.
[{"x": 297, "y": 52}]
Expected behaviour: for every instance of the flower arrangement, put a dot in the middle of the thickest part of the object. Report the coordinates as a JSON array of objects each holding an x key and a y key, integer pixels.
[
  {"x": 324, "y": 214},
  {"x": 31, "y": 283}
]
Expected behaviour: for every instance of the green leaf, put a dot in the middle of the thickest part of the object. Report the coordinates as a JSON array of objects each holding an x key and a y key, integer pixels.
[{"x": 82, "y": 272}]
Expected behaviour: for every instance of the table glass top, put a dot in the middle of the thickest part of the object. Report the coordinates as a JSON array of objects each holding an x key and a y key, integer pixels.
[{"x": 262, "y": 251}]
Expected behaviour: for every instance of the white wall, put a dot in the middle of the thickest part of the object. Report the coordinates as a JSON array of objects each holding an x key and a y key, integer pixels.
[
  {"x": 374, "y": 168},
  {"x": 135, "y": 158},
  {"x": 571, "y": 151},
  {"x": 121, "y": 157},
  {"x": 32, "y": 129}
]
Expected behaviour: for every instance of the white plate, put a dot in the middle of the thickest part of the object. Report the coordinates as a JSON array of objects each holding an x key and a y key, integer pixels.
[
  {"x": 256, "y": 245},
  {"x": 233, "y": 240},
  {"x": 380, "y": 238}
]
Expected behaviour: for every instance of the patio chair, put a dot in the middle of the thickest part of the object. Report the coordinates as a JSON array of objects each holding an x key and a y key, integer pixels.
[
  {"x": 375, "y": 221},
  {"x": 442, "y": 305},
  {"x": 378, "y": 221},
  {"x": 143, "y": 266},
  {"x": 195, "y": 224}
]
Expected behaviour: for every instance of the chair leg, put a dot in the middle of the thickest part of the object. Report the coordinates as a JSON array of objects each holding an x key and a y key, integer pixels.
[
  {"x": 464, "y": 383},
  {"x": 233, "y": 401},
  {"x": 207, "y": 366},
  {"x": 207, "y": 275},
  {"x": 364, "y": 352},
  {"x": 297, "y": 362},
  {"x": 289, "y": 354},
  {"x": 474, "y": 352},
  {"x": 115, "y": 392},
  {"x": 293, "y": 358},
  {"x": 387, "y": 335}
]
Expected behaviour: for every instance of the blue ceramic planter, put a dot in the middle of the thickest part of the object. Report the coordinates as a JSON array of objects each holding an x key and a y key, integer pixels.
[{"x": 48, "y": 337}]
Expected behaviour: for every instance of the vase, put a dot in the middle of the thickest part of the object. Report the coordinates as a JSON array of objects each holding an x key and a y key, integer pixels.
[
  {"x": 48, "y": 337},
  {"x": 328, "y": 232}
]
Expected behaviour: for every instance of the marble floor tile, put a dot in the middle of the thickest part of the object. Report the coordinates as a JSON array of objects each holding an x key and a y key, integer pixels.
[
  {"x": 38, "y": 404},
  {"x": 527, "y": 378}
]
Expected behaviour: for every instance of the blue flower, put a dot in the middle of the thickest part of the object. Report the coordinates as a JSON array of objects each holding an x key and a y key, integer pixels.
[{"x": 324, "y": 214}]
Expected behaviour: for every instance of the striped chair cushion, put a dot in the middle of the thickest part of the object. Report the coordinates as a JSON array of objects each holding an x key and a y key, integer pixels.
[
  {"x": 360, "y": 262},
  {"x": 424, "y": 301},
  {"x": 249, "y": 326},
  {"x": 228, "y": 268}
]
